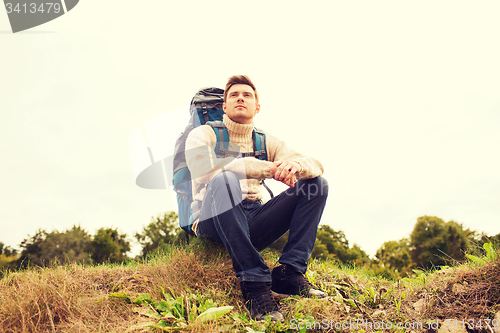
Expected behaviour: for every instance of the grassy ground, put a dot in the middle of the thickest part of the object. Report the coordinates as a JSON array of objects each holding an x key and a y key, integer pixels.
[{"x": 193, "y": 289}]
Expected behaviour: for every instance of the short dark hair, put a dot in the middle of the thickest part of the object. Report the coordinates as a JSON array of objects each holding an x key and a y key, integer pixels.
[{"x": 240, "y": 79}]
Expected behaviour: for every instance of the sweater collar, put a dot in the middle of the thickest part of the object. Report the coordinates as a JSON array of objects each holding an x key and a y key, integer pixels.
[{"x": 237, "y": 128}]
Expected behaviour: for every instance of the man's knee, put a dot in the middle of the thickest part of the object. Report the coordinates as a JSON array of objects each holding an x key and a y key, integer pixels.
[
  {"x": 315, "y": 187},
  {"x": 323, "y": 185}
]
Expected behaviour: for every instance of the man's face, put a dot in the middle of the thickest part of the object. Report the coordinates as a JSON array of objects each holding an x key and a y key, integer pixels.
[{"x": 240, "y": 105}]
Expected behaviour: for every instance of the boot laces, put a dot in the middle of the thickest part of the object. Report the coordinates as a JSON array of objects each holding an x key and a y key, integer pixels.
[
  {"x": 263, "y": 301},
  {"x": 300, "y": 281}
]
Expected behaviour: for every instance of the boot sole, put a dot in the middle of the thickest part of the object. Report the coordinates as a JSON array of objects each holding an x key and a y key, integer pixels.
[
  {"x": 262, "y": 319},
  {"x": 282, "y": 296}
]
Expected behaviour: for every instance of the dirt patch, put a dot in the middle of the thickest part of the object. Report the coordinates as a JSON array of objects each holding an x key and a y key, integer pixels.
[
  {"x": 474, "y": 294},
  {"x": 462, "y": 299}
]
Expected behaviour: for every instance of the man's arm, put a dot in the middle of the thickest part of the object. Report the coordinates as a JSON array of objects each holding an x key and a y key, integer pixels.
[{"x": 291, "y": 165}]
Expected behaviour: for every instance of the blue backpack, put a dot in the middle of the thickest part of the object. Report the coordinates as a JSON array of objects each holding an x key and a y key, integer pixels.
[{"x": 206, "y": 108}]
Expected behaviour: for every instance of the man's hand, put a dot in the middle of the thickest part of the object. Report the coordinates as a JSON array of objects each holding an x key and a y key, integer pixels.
[{"x": 284, "y": 172}]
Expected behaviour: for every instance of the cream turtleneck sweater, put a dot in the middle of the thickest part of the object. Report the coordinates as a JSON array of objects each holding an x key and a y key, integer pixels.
[{"x": 204, "y": 165}]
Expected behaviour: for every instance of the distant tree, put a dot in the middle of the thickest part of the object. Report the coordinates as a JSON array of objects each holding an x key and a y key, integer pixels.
[
  {"x": 320, "y": 251},
  {"x": 109, "y": 246},
  {"x": 357, "y": 256},
  {"x": 457, "y": 240},
  {"x": 395, "y": 255},
  {"x": 433, "y": 242},
  {"x": 335, "y": 242},
  {"x": 7, "y": 250},
  {"x": 163, "y": 230},
  {"x": 8, "y": 257},
  {"x": 45, "y": 248},
  {"x": 331, "y": 244}
]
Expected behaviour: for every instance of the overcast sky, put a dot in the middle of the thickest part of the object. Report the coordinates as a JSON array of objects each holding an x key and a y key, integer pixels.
[{"x": 399, "y": 100}]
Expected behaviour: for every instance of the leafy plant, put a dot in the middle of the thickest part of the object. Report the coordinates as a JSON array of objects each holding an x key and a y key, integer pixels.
[
  {"x": 398, "y": 302},
  {"x": 490, "y": 251},
  {"x": 176, "y": 312},
  {"x": 373, "y": 296},
  {"x": 490, "y": 254}
]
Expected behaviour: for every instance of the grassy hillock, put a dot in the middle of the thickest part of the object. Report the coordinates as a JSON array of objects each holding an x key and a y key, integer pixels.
[{"x": 193, "y": 289}]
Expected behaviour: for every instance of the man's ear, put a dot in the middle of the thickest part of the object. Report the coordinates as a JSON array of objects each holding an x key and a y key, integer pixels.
[
  {"x": 224, "y": 107},
  {"x": 257, "y": 108}
]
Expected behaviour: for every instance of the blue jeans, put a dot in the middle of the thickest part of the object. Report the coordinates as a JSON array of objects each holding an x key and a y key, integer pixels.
[{"x": 246, "y": 227}]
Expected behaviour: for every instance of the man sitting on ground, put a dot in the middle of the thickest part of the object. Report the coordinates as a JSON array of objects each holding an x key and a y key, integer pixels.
[{"x": 228, "y": 190}]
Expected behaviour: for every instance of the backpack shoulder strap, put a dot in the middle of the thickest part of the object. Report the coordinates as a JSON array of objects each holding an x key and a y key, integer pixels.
[
  {"x": 222, "y": 139},
  {"x": 259, "y": 144},
  {"x": 259, "y": 140}
]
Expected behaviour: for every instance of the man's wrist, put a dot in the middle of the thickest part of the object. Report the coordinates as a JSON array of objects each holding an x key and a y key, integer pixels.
[{"x": 301, "y": 167}]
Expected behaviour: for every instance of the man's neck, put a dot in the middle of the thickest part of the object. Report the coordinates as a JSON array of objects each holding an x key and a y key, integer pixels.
[{"x": 237, "y": 128}]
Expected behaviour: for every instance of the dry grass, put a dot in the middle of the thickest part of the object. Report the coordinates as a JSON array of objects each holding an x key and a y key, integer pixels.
[
  {"x": 458, "y": 293},
  {"x": 65, "y": 298},
  {"x": 471, "y": 293},
  {"x": 75, "y": 298}
]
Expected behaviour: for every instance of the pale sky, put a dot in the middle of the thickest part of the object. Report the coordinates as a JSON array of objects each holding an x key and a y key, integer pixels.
[{"x": 400, "y": 102}]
